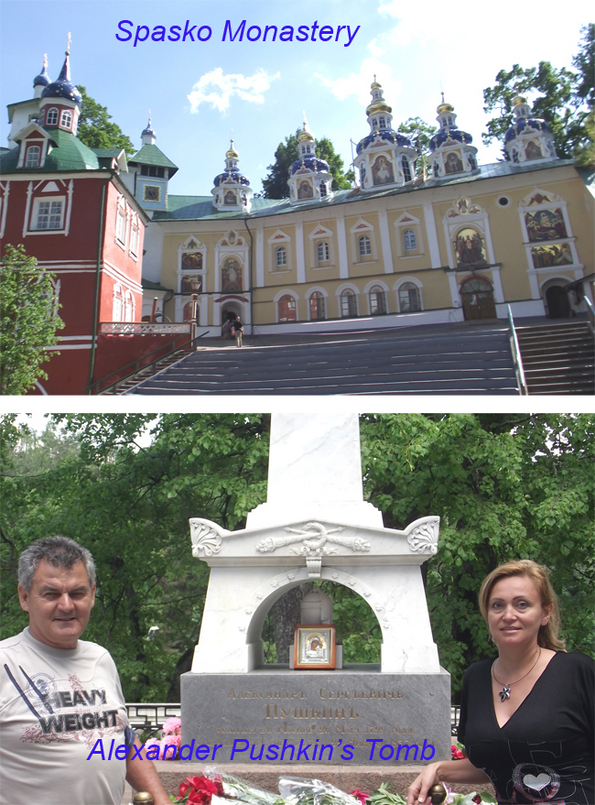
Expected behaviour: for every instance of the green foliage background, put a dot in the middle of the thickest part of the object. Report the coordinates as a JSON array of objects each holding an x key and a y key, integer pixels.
[{"x": 504, "y": 486}]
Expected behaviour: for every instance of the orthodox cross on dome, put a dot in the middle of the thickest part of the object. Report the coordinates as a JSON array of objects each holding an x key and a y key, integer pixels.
[{"x": 68, "y": 44}]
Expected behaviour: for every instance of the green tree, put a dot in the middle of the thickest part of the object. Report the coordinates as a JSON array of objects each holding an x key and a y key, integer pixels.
[
  {"x": 28, "y": 320},
  {"x": 420, "y": 133},
  {"x": 562, "y": 98},
  {"x": 503, "y": 485},
  {"x": 96, "y": 129},
  {"x": 275, "y": 183}
]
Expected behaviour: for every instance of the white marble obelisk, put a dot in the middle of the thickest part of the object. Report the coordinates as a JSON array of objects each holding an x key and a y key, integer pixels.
[
  {"x": 315, "y": 524},
  {"x": 314, "y": 472}
]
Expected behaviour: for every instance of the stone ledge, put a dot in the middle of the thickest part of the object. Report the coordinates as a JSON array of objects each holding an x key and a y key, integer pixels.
[{"x": 345, "y": 777}]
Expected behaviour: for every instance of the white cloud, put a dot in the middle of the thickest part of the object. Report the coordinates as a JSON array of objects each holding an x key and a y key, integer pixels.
[
  {"x": 358, "y": 84},
  {"x": 217, "y": 88}
]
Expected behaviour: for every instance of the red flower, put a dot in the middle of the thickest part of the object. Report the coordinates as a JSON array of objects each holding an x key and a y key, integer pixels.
[
  {"x": 456, "y": 753},
  {"x": 359, "y": 795},
  {"x": 477, "y": 799},
  {"x": 200, "y": 790}
]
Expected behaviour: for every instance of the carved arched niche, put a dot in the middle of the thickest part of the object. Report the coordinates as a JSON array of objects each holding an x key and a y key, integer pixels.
[{"x": 251, "y": 569}]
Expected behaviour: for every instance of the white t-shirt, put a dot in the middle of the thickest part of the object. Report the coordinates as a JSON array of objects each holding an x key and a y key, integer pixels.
[{"x": 55, "y": 705}]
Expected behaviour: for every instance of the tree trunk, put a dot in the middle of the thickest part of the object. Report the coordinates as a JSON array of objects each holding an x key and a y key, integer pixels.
[{"x": 286, "y": 615}]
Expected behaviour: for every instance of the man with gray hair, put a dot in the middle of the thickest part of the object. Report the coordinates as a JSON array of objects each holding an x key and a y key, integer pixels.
[{"x": 64, "y": 731}]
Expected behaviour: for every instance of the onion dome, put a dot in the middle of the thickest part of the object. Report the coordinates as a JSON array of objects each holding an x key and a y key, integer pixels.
[
  {"x": 308, "y": 159},
  {"x": 63, "y": 86},
  {"x": 380, "y": 118},
  {"x": 448, "y": 128},
  {"x": 522, "y": 122},
  {"x": 231, "y": 189},
  {"x": 231, "y": 172},
  {"x": 43, "y": 79},
  {"x": 528, "y": 139},
  {"x": 149, "y": 130}
]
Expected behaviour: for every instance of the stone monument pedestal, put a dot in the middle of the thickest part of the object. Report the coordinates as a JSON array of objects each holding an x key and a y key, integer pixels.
[{"x": 354, "y": 716}]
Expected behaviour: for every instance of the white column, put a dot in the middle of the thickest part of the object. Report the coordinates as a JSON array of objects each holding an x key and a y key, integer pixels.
[
  {"x": 432, "y": 236},
  {"x": 342, "y": 247},
  {"x": 299, "y": 252},
  {"x": 385, "y": 241}
]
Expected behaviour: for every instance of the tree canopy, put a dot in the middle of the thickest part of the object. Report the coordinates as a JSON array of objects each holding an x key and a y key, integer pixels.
[
  {"x": 96, "y": 129},
  {"x": 29, "y": 320},
  {"x": 561, "y": 97},
  {"x": 275, "y": 183},
  {"x": 504, "y": 486},
  {"x": 420, "y": 133}
]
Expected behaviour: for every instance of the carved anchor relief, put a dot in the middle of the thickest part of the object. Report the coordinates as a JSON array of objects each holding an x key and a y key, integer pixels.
[{"x": 314, "y": 538}]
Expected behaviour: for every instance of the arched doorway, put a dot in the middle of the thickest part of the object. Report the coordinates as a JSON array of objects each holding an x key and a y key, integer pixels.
[
  {"x": 556, "y": 299},
  {"x": 477, "y": 296}
]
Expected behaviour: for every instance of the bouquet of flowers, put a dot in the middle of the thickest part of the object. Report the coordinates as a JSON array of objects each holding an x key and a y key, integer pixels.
[
  {"x": 313, "y": 792},
  {"x": 171, "y": 736}
]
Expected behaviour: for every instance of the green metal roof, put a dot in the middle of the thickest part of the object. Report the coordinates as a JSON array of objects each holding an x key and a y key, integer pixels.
[
  {"x": 185, "y": 208},
  {"x": 67, "y": 154},
  {"x": 151, "y": 155},
  {"x": 148, "y": 285}
]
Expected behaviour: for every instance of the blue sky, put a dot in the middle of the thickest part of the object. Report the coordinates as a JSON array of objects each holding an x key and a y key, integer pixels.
[{"x": 202, "y": 93}]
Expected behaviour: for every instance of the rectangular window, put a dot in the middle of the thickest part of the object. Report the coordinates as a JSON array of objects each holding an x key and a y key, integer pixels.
[
  {"x": 49, "y": 214},
  {"x": 33, "y": 155},
  {"x": 121, "y": 227},
  {"x": 134, "y": 241}
]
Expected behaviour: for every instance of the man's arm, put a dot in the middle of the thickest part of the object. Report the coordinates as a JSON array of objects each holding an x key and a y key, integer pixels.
[{"x": 142, "y": 776}]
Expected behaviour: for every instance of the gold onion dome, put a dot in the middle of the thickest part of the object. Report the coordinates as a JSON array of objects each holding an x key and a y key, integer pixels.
[
  {"x": 305, "y": 134},
  {"x": 444, "y": 107},
  {"x": 232, "y": 153}
]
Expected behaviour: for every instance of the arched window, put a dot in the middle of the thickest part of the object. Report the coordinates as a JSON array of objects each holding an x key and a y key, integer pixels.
[
  {"x": 281, "y": 257},
  {"x": 129, "y": 307},
  {"x": 322, "y": 251},
  {"x": 377, "y": 301},
  {"x": 409, "y": 240},
  {"x": 187, "y": 312},
  {"x": 287, "y": 308},
  {"x": 348, "y": 303},
  {"x": 409, "y": 298},
  {"x": 66, "y": 119},
  {"x": 33, "y": 156},
  {"x": 406, "y": 169},
  {"x": 365, "y": 246},
  {"x": 322, "y": 189},
  {"x": 51, "y": 118},
  {"x": 317, "y": 306}
]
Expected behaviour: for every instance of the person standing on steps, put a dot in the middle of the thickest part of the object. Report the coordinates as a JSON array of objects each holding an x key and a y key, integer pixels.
[{"x": 238, "y": 330}]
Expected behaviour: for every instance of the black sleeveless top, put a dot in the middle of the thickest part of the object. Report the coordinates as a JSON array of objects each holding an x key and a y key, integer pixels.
[{"x": 543, "y": 755}]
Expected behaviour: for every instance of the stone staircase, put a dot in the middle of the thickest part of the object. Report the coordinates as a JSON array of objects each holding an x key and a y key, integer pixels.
[
  {"x": 558, "y": 357},
  {"x": 145, "y": 373},
  {"x": 454, "y": 359}
]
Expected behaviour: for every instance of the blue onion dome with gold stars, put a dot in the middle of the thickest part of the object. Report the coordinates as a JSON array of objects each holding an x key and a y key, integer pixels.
[
  {"x": 231, "y": 172},
  {"x": 448, "y": 128},
  {"x": 149, "y": 132},
  {"x": 308, "y": 158},
  {"x": 379, "y": 115},
  {"x": 523, "y": 122},
  {"x": 63, "y": 86},
  {"x": 43, "y": 79}
]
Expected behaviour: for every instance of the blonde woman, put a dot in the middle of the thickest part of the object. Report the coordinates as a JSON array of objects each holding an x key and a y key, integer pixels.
[{"x": 527, "y": 717}]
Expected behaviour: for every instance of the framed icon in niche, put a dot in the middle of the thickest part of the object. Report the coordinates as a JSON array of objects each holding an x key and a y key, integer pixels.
[{"x": 314, "y": 646}]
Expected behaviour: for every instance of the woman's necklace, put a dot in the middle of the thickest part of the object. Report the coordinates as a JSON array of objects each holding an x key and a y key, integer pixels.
[{"x": 505, "y": 692}]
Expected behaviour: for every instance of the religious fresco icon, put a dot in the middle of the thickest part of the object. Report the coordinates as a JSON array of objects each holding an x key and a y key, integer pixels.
[
  {"x": 453, "y": 163},
  {"x": 382, "y": 171},
  {"x": 558, "y": 254},
  {"x": 545, "y": 225},
  {"x": 192, "y": 261},
  {"x": 191, "y": 283},
  {"x": 231, "y": 277},
  {"x": 305, "y": 190},
  {"x": 469, "y": 248}
]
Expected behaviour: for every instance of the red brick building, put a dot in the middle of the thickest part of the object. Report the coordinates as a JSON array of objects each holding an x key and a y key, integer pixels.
[{"x": 67, "y": 204}]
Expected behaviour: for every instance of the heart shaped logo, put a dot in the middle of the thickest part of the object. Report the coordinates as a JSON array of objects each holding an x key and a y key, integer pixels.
[{"x": 537, "y": 783}]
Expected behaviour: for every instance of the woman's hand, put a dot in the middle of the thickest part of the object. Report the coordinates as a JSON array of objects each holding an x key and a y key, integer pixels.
[{"x": 417, "y": 793}]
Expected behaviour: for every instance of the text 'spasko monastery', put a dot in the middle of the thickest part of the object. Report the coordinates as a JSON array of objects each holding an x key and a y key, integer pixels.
[{"x": 462, "y": 241}]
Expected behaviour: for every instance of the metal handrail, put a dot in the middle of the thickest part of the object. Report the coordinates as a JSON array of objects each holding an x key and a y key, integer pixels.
[
  {"x": 516, "y": 355},
  {"x": 591, "y": 310},
  {"x": 187, "y": 345}
]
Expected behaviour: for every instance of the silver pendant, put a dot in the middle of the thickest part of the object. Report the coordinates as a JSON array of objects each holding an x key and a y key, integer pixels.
[{"x": 505, "y": 693}]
